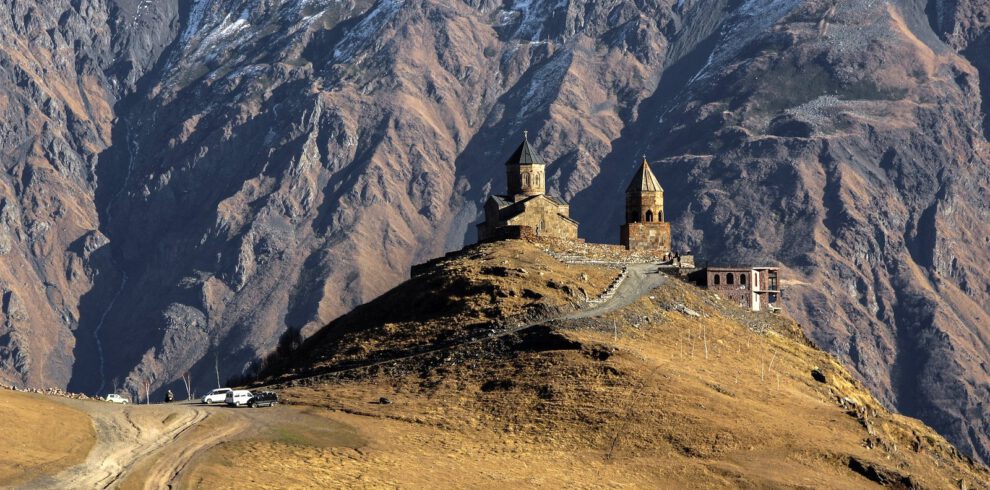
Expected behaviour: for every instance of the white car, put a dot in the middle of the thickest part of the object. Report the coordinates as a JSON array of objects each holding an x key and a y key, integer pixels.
[
  {"x": 238, "y": 398},
  {"x": 115, "y": 398},
  {"x": 218, "y": 395}
]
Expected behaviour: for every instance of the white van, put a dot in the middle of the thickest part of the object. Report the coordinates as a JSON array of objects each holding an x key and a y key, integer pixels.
[
  {"x": 238, "y": 398},
  {"x": 218, "y": 395}
]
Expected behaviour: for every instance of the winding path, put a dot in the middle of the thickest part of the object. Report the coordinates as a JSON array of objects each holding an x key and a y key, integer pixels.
[
  {"x": 640, "y": 280},
  {"x": 154, "y": 442},
  {"x": 126, "y": 436}
]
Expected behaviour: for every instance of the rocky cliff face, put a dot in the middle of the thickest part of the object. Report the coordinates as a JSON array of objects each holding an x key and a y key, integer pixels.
[
  {"x": 63, "y": 66},
  {"x": 186, "y": 181}
]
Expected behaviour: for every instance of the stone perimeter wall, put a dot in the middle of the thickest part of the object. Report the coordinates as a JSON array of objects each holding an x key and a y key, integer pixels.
[{"x": 596, "y": 253}]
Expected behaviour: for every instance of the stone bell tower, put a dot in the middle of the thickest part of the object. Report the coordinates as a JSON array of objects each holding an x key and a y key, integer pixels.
[
  {"x": 525, "y": 171},
  {"x": 645, "y": 227}
]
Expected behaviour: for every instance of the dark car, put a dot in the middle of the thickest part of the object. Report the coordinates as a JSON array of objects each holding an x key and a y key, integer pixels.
[{"x": 263, "y": 399}]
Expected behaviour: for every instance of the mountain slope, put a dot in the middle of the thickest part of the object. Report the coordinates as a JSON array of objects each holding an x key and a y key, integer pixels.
[
  {"x": 63, "y": 66},
  {"x": 187, "y": 181},
  {"x": 713, "y": 393},
  {"x": 884, "y": 165}
]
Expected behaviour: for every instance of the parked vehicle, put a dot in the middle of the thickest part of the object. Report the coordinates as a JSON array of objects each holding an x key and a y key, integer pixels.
[
  {"x": 263, "y": 399},
  {"x": 115, "y": 398},
  {"x": 238, "y": 398},
  {"x": 218, "y": 395}
]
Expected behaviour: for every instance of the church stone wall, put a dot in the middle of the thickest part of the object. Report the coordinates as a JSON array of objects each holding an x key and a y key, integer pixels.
[
  {"x": 645, "y": 236},
  {"x": 511, "y": 233},
  {"x": 544, "y": 216}
]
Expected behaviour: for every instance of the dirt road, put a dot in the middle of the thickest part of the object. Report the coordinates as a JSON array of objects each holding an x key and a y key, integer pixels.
[
  {"x": 640, "y": 280},
  {"x": 153, "y": 444},
  {"x": 125, "y": 435}
]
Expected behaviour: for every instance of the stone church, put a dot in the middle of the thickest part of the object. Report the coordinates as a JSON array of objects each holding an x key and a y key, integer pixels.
[
  {"x": 646, "y": 227},
  {"x": 526, "y": 209}
]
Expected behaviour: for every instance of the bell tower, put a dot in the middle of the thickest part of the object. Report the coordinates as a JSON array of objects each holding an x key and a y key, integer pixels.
[
  {"x": 525, "y": 171},
  {"x": 644, "y": 197},
  {"x": 646, "y": 227}
]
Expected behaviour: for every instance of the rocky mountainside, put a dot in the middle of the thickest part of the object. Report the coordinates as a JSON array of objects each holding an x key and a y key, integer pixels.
[
  {"x": 184, "y": 182},
  {"x": 63, "y": 68}
]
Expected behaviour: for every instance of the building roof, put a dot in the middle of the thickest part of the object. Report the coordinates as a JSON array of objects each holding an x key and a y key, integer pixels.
[
  {"x": 525, "y": 154},
  {"x": 509, "y": 209},
  {"x": 502, "y": 201},
  {"x": 644, "y": 180}
]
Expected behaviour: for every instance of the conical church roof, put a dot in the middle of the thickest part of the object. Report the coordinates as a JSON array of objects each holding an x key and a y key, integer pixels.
[
  {"x": 644, "y": 180},
  {"x": 525, "y": 154}
]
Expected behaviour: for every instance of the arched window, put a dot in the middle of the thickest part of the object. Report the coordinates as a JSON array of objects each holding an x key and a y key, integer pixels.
[
  {"x": 718, "y": 280},
  {"x": 525, "y": 180},
  {"x": 649, "y": 216},
  {"x": 742, "y": 279},
  {"x": 730, "y": 279}
]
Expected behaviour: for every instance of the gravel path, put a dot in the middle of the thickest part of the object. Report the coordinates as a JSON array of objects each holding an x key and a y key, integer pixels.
[{"x": 640, "y": 280}]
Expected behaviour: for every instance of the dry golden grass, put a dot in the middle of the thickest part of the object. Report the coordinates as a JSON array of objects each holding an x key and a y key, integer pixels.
[
  {"x": 461, "y": 296},
  {"x": 39, "y": 436},
  {"x": 137, "y": 477},
  {"x": 645, "y": 397}
]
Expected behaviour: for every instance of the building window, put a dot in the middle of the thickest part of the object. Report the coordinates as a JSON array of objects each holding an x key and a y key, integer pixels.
[
  {"x": 773, "y": 281},
  {"x": 742, "y": 279},
  {"x": 730, "y": 279},
  {"x": 649, "y": 216},
  {"x": 525, "y": 180},
  {"x": 718, "y": 280}
]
